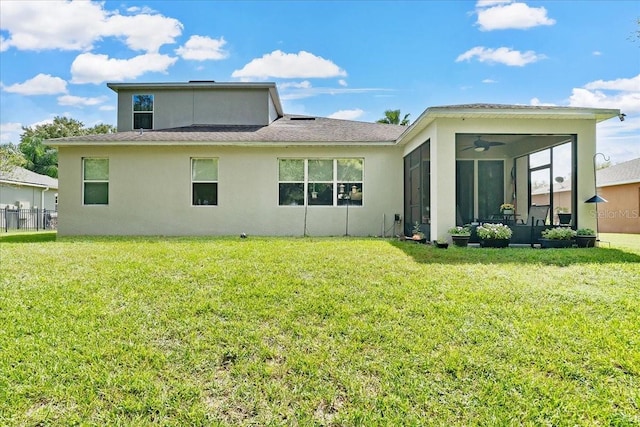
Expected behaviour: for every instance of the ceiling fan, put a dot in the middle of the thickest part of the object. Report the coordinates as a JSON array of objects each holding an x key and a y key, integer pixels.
[{"x": 480, "y": 145}]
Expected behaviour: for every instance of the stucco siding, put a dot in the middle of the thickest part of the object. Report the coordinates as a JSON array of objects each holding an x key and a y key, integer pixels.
[
  {"x": 10, "y": 194},
  {"x": 177, "y": 108},
  {"x": 150, "y": 193},
  {"x": 442, "y": 135}
]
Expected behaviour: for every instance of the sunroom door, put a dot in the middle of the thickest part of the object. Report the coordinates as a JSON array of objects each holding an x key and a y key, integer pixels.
[{"x": 479, "y": 189}]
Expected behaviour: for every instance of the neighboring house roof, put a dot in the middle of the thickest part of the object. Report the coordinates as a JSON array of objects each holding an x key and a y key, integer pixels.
[
  {"x": 493, "y": 111},
  {"x": 622, "y": 173},
  {"x": 22, "y": 176},
  {"x": 288, "y": 129}
]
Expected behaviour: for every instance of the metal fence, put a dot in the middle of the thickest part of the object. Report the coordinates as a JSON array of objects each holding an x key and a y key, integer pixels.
[{"x": 28, "y": 219}]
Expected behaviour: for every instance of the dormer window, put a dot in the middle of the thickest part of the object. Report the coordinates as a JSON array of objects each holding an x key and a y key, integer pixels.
[{"x": 142, "y": 111}]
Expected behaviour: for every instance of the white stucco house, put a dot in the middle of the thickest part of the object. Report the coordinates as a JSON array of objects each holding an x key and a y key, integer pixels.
[
  {"x": 208, "y": 158},
  {"x": 25, "y": 189}
]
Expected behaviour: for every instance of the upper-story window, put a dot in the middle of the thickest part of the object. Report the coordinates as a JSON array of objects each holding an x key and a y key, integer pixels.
[{"x": 142, "y": 111}]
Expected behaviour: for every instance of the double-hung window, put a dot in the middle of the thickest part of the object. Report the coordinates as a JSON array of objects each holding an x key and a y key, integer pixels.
[
  {"x": 142, "y": 111},
  {"x": 95, "y": 181},
  {"x": 204, "y": 182},
  {"x": 320, "y": 182},
  {"x": 291, "y": 179},
  {"x": 349, "y": 181}
]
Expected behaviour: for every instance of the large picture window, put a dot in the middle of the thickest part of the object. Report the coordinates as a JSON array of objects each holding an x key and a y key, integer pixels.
[
  {"x": 320, "y": 182},
  {"x": 142, "y": 111},
  {"x": 204, "y": 182},
  {"x": 95, "y": 181}
]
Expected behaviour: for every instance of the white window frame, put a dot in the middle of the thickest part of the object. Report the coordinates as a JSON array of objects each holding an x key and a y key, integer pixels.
[
  {"x": 94, "y": 181},
  {"x": 338, "y": 201},
  {"x": 216, "y": 181},
  {"x": 134, "y": 112}
]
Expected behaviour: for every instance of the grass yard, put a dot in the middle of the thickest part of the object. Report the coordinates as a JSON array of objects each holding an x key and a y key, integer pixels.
[{"x": 305, "y": 331}]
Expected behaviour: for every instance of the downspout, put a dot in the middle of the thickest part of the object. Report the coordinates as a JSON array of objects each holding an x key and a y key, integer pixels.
[{"x": 42, "y": 206}]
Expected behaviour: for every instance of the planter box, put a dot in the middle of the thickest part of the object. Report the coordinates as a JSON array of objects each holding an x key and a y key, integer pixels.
[
  {"x": 461, "y": 241},
  {"x": 586, "y": 241},
  {"x": 556, "y": 243},
  {"x": 494, "y": 243}
]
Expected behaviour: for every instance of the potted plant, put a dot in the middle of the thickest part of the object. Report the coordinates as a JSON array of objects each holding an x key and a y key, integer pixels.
[
  {"x": 441, "y": 243},
  {"x": 494, "y": 235},
  {"x": 585, "y": 238},
  {"x": 507, "y": 208},
  {"x": 564, "y": 217},
  {"x": 558, "y": 237},
  {"x": 460, "y": 235},
  {"x": 418, "y": 234}
]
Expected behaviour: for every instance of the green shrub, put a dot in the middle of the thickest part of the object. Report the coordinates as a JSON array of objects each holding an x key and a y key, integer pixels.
[{"x": 559, "y": 233}]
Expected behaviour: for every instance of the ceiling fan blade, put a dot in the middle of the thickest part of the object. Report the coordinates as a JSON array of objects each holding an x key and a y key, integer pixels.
[{"x": 495, "y": 143}]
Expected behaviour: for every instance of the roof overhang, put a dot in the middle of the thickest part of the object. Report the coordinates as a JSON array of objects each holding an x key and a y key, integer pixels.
[
  {"x": 26, "y": 184},
  {"x": 482, "y": 111}
]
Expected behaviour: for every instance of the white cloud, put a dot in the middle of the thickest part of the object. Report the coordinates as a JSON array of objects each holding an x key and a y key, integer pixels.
[
  {"x": 10, "y": 132},
  {"x": 42, "y": 84},
  {"x": 289, "y": 65},
  {"x": 305, "y": 84},
  {"x": 342, "y": 82},
  {"x": 201, "y": 48},
  {"x": 92, "y": 68},
  {"x": 51, "y": 25},
  {"x": 537, "y": 102},
  {"x": 503, "y": 15},
  {"x": 620, "y": 140},
  {"x": 627, "y": 85},
  {"x": 77, "y": 25},
  {"x": 143, "y": 32},
  {"x": 502, "y": 55},
  {"x": 3, "y": 44},
  {"x": 627, "y": 102},
  {"x": 596, "y": 53},
  {"x": 107, "y": 108},
  {"x": 347, "y": 114},
  {"x": 79, "y": 101},
  {"x": 489, "y": 81}
]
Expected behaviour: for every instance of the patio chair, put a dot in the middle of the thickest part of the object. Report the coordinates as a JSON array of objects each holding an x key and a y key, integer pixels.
[{"x": 537, "y": 217}]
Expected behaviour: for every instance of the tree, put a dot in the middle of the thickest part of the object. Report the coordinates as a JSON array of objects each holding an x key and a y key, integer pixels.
[
  {"x": 10, "y": 157},
  {"x": 41, "y": 158},
  {"x": 392, "y": 117}
]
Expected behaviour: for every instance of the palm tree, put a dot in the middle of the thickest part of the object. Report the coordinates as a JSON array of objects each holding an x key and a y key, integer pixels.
[{"x": 392, "y": 117}]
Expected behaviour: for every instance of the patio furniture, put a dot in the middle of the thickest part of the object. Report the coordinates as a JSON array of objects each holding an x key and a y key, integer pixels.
[{"x": 535, "y": 222}]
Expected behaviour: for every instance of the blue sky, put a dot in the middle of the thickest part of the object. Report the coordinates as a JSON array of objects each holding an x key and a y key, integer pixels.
[{"x": 341, "y": 59}]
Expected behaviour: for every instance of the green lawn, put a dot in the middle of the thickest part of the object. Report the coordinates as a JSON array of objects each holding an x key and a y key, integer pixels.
[{"x": 305, "y": 331}]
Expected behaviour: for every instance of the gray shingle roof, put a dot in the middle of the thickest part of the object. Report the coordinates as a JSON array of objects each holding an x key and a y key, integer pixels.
[
  {"x": 24, "y": 176},
  {"x": 287, "y": 129},
  {"x": 622, "y": 173}
]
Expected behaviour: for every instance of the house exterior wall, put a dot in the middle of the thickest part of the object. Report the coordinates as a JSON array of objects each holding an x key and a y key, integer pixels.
[
  {"x": 185, "y": 107},
  {"x": 621, "y": 213},
  {"x": 442, "y": 133},
  {"x": 150, "y": 193},
  {"x": 10, "y": 194}
]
